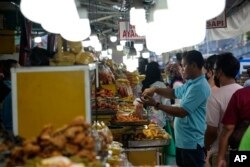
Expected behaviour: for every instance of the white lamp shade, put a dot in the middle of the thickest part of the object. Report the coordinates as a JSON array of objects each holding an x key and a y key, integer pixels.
[
  {"x": 98, "y": 47},
  {"x": 55, "y": 16},
  {"x": 137, "y": 16},
  {"x": 146, "y": 55},
  {"x": 77, "y": 30},
  {"x": 176, "y": 34},
  {"x": 104, "y": 53},
  {"x": 119, "y": 47},
  {"x": 113, "y": 38},
  {"x": 32, "y": 9},
  {"x": 94, "y": 40},
  {"x": 207, "y": 9},
  {"x": 138, "y": 47},
  {"x": 123, "y": 43},
  {"x": 110, "y": 51},
  {"x": 86, "y": 43},
  {"x": 52, "y": 26},
  {"x": 37, "y": 39}
]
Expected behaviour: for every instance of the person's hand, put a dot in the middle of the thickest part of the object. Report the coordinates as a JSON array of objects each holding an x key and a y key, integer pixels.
[
  {"x": 148, "y": 100},
  {"x": 148, "y": 92}
]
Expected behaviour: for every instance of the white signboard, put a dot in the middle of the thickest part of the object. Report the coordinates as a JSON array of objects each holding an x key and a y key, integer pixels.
[
  {"x": 127, "y": 31},
  {"x": 217, "y": 22}
]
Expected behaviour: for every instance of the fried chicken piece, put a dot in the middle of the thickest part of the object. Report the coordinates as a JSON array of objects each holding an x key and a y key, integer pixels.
[
  {"x": 79, "y": 138},
  {"x": 71, "y": 148},
  {"x": 46, "y": 132},
  {"x": 77, "y": 121},
  {"x": 90, "y": 155},
  {"x": 59, "y": 141},
  {"x": 72, "y": 131},
  {"x": 31, "y": 149}
]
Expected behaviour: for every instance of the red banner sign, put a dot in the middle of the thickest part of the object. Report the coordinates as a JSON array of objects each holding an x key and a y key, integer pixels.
[{"x": 217, "y": 22}]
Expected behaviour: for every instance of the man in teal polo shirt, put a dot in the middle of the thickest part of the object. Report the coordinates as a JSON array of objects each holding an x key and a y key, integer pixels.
[{"x": 189, "y": 124}]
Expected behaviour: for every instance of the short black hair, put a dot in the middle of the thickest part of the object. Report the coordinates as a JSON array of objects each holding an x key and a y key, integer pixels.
[
  {"x": 210, "y": 62},
  {"x": 194, "y": 56},
  {"x": 228, "y": 64}
]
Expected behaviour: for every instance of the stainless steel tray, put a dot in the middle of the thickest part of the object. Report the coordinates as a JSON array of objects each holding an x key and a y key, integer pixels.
[{"x": 148, "y": 143}]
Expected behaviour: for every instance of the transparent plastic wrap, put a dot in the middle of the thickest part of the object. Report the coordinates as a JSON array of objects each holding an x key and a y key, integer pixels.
[
  {"x": 105, "y": 75},
  {"x": 123, "y": 88},
  {"x": 103, "y": 137}
]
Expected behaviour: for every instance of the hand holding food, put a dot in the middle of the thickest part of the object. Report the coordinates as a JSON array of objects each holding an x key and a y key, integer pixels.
[
  {"x": 148, "y": 100},
  {"x": 148, "y": 92}
]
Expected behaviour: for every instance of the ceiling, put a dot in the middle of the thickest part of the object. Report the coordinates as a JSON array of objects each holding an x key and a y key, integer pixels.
[{"x": 104, "y": 15}]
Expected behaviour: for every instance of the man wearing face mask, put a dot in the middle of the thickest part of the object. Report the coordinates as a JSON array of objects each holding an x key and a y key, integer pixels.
[
  {"x": 225, "y": 69},
  {"x": 209, "y": 72}
]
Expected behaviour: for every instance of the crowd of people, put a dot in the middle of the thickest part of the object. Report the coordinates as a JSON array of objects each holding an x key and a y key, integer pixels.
[{"x": 207, "y": 90}]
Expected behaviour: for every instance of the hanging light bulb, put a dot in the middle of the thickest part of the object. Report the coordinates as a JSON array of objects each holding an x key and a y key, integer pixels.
[
  {"x": 86, "y": 43},
  {"x": 189, "y": 36},
  {"x": 110, "y": 51},
  {"x": 77, "y": 31},
  {"x": 54, "y": 18},
  {"x": 32, "y": 9},
  {"x": 123, "y": 43},
  {"x": 93, "y": 40},
  {"x": 207, "y": 9},
  {"x": 113, "y": 38},
  {"x": 138, "y": 18},
  {"x": 146, "y": 55},
  {"x": 98, "y": 47},
  {"x": 38, "y": 39},
  {"x": 119, "y": 47},
  {"x": 138, "y": 47},
  {"x": 104, "y": 53}
]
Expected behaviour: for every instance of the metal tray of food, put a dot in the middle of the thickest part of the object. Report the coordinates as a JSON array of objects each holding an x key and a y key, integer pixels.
[
  {"x": 148, "y": 143},
  {"x": 136, "y": 123},
  {"x": 104, "y": 112}
]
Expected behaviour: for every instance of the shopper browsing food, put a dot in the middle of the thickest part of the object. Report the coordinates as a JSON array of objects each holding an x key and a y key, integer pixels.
[
  {"x": 189, "y": 123},
  {"x": 226, "y": 69},
  {"x": 236, "y": 115}
]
